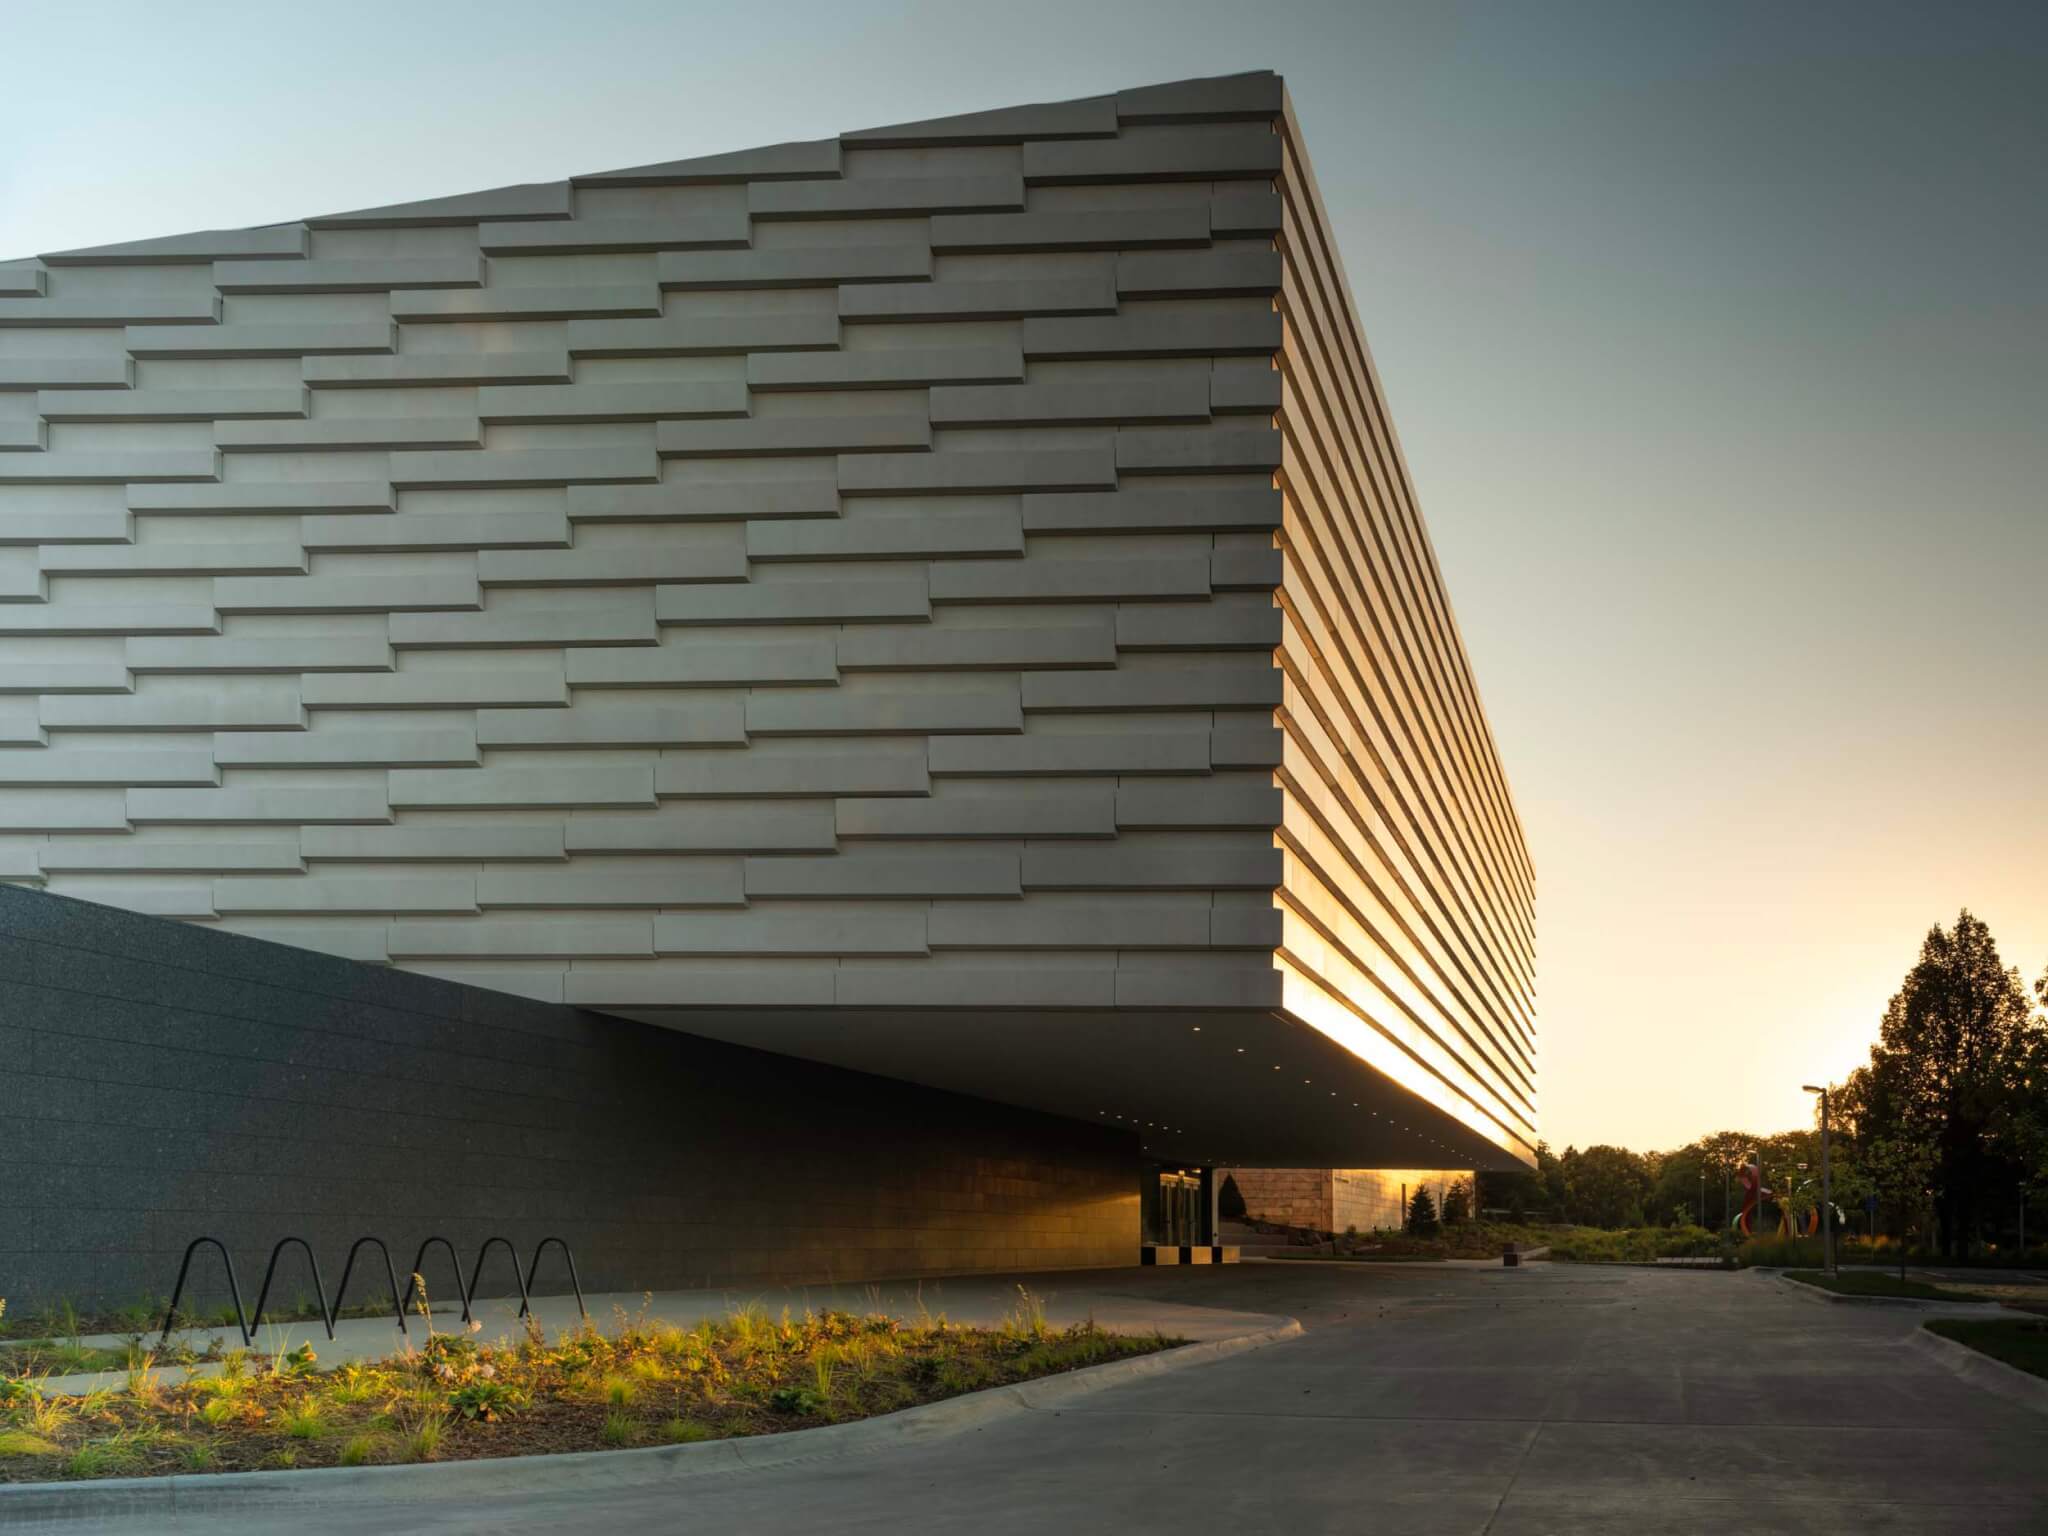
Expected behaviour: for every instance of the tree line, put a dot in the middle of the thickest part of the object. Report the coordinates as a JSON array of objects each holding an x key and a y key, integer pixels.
[{"x": 1936, "y": 1140}]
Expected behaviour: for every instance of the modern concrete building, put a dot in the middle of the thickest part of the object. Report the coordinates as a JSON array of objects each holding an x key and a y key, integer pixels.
[{"x": 943, "y": 603}]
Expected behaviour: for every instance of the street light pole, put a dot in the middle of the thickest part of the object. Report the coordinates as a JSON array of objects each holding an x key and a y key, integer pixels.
[
  {"x": 1703, "y": 1208},
  {"x": 1827, "y": 1192}
]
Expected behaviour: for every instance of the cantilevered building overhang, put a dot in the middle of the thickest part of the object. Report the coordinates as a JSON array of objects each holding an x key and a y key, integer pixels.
[{"x": 945, "y": 601}]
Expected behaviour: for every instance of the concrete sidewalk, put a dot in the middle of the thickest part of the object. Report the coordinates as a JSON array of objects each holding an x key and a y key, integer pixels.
[{"x": 979, "y": 1300}]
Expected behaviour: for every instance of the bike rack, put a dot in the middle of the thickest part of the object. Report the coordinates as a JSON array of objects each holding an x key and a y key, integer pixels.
[
  {"x": 330, "y": 1312},
  {"x": 234, "y": 1289},
  {"x": 534, "y": 1267},
  {"x": 477, "y": 1273},
  {"x": 397, "y": 1305},
  {"x": 319, "y": 1290},
  {"x": 414, "y": 1287}
]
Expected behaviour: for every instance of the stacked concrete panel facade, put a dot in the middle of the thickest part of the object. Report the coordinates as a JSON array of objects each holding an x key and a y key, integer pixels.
[{"x": 944, "y": 601}]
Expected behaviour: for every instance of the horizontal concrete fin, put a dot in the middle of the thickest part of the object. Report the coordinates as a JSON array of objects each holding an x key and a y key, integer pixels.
[
  {"x": 623, "y": 618},
  {"x": 1070, "y": 754},
  {"x": 707, "y": 501},
  {"x": 1068, "y": 581},
  {"x": 436, "y": 370},
  {"x": 1252, "y": 509},
  {"x": 464, "y": 843},
  {"x": 652, "y": 882},
  {"x": 326, "y": 804},
  {"x": 884, "y": 197},
  {"x": 420, "y": 306},
  {"x": 819, "y": 267},
  {"x": 499, "y": 938},
  {"x": 348, "y": 749},
  {"x": 1192, "y": 687},
  {"x": 434, "y": 690},
  {"x": 522, "y": 788},
  {"x": 723, "y": 828},
  {"x": 1005, "y": 299},
  {"x": 931, "y": 647},
  {"x": 817, "y": 928},
  {"x": 872, "y": 874},
  {"x": 711, "y": 721},
  {"x": 347, "y": 894},
  {"x": 998, "y": 471},
  {"x": 1125, "y": 867},
  {"x": 1040, "y": 815},
  {"x": 130, "y": 855},
  {"x": 725, "y": 227},
  {"x": 760, "y": 772},
  {"x": 267, "y": 653},
  {"x": 794, "y": 602},
  {"x": 703, "y": 335}
]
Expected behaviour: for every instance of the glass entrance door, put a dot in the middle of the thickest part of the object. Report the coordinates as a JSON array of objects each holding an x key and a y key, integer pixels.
[{"x": 1180, "y": 1208}]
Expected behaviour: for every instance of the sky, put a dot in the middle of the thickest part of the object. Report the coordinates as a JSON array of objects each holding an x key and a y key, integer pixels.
[{"x": 1716, "y": 336}]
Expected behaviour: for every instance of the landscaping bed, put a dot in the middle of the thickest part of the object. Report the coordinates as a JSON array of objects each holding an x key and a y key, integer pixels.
[
  {"x": 2022, "y": 1343},
  {"x": 1870, "y": 1282},
  {"x": 643, "y": 1383}
]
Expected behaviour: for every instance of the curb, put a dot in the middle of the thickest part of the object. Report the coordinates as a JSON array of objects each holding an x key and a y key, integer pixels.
[
  {"x": 1912, "y": 1303},
  {"x": 230, "y": 1492},
  {"x": 1994, "y": 1375}
]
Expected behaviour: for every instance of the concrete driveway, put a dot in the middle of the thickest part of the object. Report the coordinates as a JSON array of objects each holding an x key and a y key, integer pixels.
[{"x": 1421, "y": 1399}]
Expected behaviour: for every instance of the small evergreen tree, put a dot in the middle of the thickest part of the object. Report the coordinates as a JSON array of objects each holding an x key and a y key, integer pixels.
[
  {"x": 1457, "y": 1203},
  {"x": 1422, "y": 1213}
]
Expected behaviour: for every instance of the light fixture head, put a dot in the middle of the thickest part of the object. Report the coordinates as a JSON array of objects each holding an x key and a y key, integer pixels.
[{"x": 1809, "y": 1088}]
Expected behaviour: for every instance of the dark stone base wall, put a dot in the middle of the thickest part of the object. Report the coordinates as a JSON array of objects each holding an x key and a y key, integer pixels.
[{"x": 159, "y": 1081}]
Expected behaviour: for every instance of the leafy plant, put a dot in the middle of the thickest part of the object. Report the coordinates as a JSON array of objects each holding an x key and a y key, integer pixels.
[{"x": 486, "y": 1401}]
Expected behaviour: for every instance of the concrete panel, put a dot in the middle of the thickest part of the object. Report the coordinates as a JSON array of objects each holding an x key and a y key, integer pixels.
[
  {"x": 1194, "y": 154},
  {"x": 170, "y": 404},
  {"x": 794, "y": 602},
  {"x": 1235, "y": 450},
  {"x": 465, "y": 843},
  {"x": 712, "y": 721},
  {"x": 682, "y": 501},
  {"x": 314, "y": 805},
  {"x": 534, "y": 789},
  {"x": 51, "y": 810},
  {"x": 1248, "y": 510},
  {"x": 350, "y": 749},
  {"x": 436, "y": 370},
  {"x": 55, "y": 769},
  {"x": 256, "y": 498},
  {"x": 649, "y": 882},
  {"x": 1050, "y": 813},
  {"x": 1221, "y": 272},
  {"x": 67, "y": 372},
  {"x": 1167, "y": 804},
  {"x": 378, "y": 274},
  {"x": 1252, "y": 97},
  {"x": 372, "y": 534},
  {"x": 805, "y": 827},
  {"x": 1090, "y": 117},
  {"x": 681, "y": 555},
  {"x": 824, "y": 928},
  {"x": 1125, "y": 866},
  {"x": 615, "y": 402},
  {"x": 112, "y": 309},
  {"x": 170, "y": 559},
  {"x": 981, "y": 988},
  {"x": 344, "y": 594},
  {"x": 108, "y": 466},
  {"x": 272, "y": 242},
  {"x": 280, "y": 340},
  {"x": 619, "y": 618},
  {"x": 772, "y": 770},
  {"x": 1070, "y": 754},
  {"x": 1229, "y": 626},
  {"x": 703, "y": 335},
  {"x": 999, "y": 299},
  {"x": 777, "y": 436},
  {"x": 885, "y": 197},
  {"x": 887, "y": 538},
  {"x": 17, "y": 619},
  {"x": 524, "y": 467},
  {"x": 822, "y": 267},
  {"x": 712, "y": 230},
  {"x": 130, "y": 855},
  {"x": 350, "y": 434},
  {"x": 260, "y": 653},
  {"x": 434, "y": 690},
  {"x": 341, "y": 894},
  {"x": 890, "y": 368},
  {"x": 876, "y": 712},
  {"x": 871, "y": 874},
  {"x": 1158, "y": 398},
  {"x": 251, "y": 706},
  {"x": 1107, "y": 230},
  {"x": 1189, "y": 687},
  {"x": 1224, "y": 333},
  {"x": 1058, "y": 922},
  {"x": 712, "y": 664},
  {"x": 1002, "y": 471},
  {"x": 1068, "y": 581},
  {"x": 542, "y": 939},
  {"x": 596, "y": 301},
  {"x": 932, "y": 647}
]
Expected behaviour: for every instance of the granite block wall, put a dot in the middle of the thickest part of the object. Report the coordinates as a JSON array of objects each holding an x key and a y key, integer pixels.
[{"x": 159, "y": 1081}]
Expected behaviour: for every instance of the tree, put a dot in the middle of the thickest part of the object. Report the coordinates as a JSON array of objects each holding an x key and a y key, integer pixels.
[
  {"x": 1605, "y": 1186},
  {"x": 1422, "y": 1213},
  {"x": 1946, "y": 1071},
  {"x": 1230, "y": 1201},
  {"x": 1524, "y": 1192},
  {"x": 1898, "y": 1168},
  {"x": 1457, "y": 1203}
]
